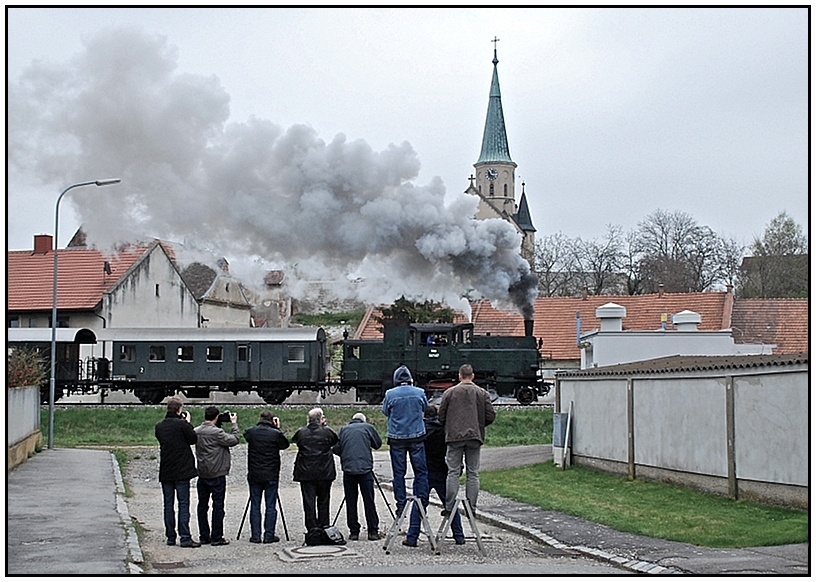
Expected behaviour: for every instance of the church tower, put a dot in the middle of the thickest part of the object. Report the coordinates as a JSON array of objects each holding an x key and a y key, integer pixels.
[{"x": 494, "y": 179}]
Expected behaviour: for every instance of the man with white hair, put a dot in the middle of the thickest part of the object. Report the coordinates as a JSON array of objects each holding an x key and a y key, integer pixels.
[
  {"x": 356, "y": 440},
  {"x": 314, "y": 468}
]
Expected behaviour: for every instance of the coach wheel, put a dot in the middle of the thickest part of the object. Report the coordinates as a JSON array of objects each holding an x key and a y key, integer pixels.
[
  {"x": 149, "y": 396},
  {"x": 276, "y": 397},
  {"x": 525, "y": 395}
]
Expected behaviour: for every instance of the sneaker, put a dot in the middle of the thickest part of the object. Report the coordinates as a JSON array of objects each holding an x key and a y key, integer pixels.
[
  {"x": 460, "y": 541},
  {"x": 221, "y": 542},
  {"x": 205, "y": 541},
  {"x": 445, "y": 513},
  {"x": 190, "y": 544},
  {"x": 272, "y": 540},
  {"x": 374, "y": 536},
  {"x": 409, "y": 543},
  {"x": 171, "y": 542},
  {"x": 255, "y": 540},
  {"x": 354, "y": 536}
]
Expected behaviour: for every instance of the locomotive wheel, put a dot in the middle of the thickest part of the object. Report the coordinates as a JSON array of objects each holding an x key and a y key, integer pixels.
[{"x": 525, "y": 395}]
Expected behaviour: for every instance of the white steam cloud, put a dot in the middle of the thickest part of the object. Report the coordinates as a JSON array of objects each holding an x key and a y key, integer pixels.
[{"x": 338, "y": 210}]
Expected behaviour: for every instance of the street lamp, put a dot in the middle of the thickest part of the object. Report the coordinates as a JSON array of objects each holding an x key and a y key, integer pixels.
[{"x": 52, "y": 381}]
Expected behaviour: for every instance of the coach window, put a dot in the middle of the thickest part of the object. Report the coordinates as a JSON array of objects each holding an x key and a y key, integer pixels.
[
  {"x": 127, "y": 353},
  {"x": 156, "y": 353},
  {"x": 243, "y": 353},
  {"x": 215, "y": 353},
  {"x": 353, "y": 352},
  {"x": 185, "y": 353},
  {"x": 297, "y": 354}
]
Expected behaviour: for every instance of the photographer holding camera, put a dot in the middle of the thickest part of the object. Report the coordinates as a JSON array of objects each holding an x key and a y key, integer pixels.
[
  {"x": 314, "y": 468},
  {"x": 213, "y": 454},
  {"x": 265, "y": 440},
  {"x": 176, "y": 467}
]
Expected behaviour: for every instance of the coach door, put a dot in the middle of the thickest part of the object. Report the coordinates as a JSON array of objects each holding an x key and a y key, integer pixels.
[{"x": 243, "y": 361}]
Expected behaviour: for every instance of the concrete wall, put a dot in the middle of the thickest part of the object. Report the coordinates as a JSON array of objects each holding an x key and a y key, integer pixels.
[
  {"x": 740, "y": 432},
  {"x": 22, "y": 423}
]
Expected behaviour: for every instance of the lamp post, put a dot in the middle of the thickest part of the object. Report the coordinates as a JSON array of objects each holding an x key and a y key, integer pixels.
[{"x": 53, "y": 381}]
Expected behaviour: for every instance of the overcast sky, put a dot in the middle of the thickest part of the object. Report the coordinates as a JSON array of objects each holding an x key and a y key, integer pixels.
[{"x": 610, "y": 113}]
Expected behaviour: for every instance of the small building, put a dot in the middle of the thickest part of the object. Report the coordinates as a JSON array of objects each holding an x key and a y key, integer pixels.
[{"x": 677, "y": 336}]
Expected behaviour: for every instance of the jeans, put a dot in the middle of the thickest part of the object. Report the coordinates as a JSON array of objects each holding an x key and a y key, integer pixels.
[
  {"x": 416, "y": 452},
  {"x": 471, "y": 451},
  {"x": 437, "y": 482},
  {"x": 269, "y": 491},
  {"x": 315, "y": 495},
  {"x": 217, "y": 487},
  {"x": 365, "y": 482},
  {"x": 170, "y": 491}
]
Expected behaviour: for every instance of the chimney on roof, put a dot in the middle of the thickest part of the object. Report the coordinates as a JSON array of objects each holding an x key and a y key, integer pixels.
[
  {"x": 686, "y": 320},
  {"x": 729, "y": 288},
  {"x": 611, "y": 316},
  {"x": 660, "y": 290},
  {"x": 586, "y": 293},
  {"x": 223, "y": 264},
  {"x": 43, "y": 244}
]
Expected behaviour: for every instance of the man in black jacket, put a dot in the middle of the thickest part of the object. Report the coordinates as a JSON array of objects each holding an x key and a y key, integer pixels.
[
  {"x": 356, "y": 440},
  {"x": 176, "y": 467},
  {"x": 265, "y": 441},
  {"x": 314, "y": 468},
  {"x": 435, "y": 450}
]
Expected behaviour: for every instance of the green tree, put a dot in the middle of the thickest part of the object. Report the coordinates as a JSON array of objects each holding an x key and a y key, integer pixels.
[
  {"x": 779, "y": 265},
  {"x": 403, "y": 309}
]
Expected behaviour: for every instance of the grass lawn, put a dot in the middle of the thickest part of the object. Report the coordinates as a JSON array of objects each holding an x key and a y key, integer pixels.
[{"x": 653, "y": 509}]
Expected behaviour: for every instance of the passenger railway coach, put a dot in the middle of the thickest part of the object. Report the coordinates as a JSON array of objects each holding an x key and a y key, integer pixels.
[{"x": 159, "y": 362}]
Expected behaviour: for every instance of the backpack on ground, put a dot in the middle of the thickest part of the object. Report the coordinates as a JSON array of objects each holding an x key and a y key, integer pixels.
[{"x": 328, "y": 536}]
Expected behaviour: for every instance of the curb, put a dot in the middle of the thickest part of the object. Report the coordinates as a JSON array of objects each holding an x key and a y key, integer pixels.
[
  {"x": 539, "y": 536},
  {"x": 135, "y": 556}
]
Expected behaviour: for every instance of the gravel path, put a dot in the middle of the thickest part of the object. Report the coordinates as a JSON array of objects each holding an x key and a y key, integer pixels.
[{"x": 507, "y": 552}]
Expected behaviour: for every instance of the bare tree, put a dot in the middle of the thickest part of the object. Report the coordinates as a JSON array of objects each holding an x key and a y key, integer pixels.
[
  {"x": 555, "y": 265},
  {"x": 600, "y": 261},
  {"x": 675, "y": 251}
]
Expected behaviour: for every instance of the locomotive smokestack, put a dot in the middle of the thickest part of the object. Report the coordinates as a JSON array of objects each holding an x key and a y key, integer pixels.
[{"x": 528, "y": 327}]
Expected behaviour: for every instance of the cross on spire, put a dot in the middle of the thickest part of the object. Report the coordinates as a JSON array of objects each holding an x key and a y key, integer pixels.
[{"x": 495, "y": 58}]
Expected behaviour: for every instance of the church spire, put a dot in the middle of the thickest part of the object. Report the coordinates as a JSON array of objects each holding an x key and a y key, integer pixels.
[{"x": 494, "y": 140}]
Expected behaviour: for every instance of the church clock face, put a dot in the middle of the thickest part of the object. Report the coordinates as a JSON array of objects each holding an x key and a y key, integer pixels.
[{"x": 492, "y": 174}]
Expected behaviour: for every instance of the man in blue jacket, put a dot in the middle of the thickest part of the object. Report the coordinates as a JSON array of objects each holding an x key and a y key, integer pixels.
[
  {"x": 356, "y": 440},
  {"x": 404, "y": 405}
]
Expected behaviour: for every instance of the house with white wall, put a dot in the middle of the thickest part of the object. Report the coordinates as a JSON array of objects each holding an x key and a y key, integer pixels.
[{"x": 678, "y": 335}]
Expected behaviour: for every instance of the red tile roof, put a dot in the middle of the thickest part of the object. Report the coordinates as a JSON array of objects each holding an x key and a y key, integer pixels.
[
  {"x": 82, "y": 277},
  {"x": 555, "y": 317},
  {"x": 784, "y": 322}
]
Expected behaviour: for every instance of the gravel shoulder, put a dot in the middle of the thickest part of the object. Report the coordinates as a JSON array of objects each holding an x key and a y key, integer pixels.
[{"x": 507, "y": 552}]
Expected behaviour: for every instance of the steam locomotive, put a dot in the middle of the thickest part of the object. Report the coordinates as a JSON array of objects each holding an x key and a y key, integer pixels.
[{"x": 160, "y": 362}]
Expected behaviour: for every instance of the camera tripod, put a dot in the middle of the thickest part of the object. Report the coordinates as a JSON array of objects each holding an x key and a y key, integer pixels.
[
  {"x": 280, "y": 510},
  {"x": 388, "y": 505}
]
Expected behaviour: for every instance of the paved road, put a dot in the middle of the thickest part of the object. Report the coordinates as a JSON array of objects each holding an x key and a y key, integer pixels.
[{"x": 66, "y": 514}]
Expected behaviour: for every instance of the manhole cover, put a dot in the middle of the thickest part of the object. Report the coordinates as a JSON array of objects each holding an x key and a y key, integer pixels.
[
  {"x": 315, "y": 552},
  {"x": 168, "y": 565}
]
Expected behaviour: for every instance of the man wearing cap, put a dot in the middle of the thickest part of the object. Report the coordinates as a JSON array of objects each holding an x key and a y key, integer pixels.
[{"x": 404, "y": 405}]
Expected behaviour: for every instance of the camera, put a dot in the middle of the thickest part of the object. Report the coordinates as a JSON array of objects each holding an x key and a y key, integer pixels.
[{"x": 223, "y": 417}]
